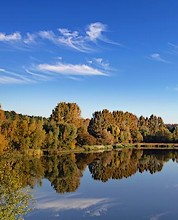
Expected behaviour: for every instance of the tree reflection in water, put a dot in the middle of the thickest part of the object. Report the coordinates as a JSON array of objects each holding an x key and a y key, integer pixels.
[
  {"x": 14, "y": 199},
  {"x": 65, "y": 171}
]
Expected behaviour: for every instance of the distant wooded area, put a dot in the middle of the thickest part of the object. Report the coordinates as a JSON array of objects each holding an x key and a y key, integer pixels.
[{"x": 66, "y": 129}]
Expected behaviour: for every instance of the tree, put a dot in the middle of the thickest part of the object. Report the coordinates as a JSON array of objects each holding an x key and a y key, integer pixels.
[
  {"x": 3, "y": 141},
  {"x": 84, "y": 138},
  {"x": 106, "y": 137},
  {"x": 175, "y": 134},
  {"x": 125, "y": 136},
  {"x": 36, "y": 133},
  {"x": 101, "y": 120},
  {"x": 68, "y": 133},
  {"x": 67, "y": 113},
  {"x": 136, "y": 136},
  {"x": 115, "y": 131}
]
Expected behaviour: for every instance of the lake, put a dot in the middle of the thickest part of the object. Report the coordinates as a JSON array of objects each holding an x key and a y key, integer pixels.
[{"x": 128, "y": 184}]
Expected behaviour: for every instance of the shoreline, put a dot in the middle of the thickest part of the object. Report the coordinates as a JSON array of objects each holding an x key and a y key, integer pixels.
[
  {"x": 97, "y": 149},
  {"x": 102, "y": 148}
]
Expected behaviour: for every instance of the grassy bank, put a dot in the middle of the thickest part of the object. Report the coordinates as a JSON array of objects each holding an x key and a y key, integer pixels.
[
  {"x": 97, "y": 148},
  {"x": 101, "y": 148}
]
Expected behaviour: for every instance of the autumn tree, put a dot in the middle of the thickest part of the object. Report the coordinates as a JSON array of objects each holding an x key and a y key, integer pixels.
[
  {"x": 100, "y": 126},
  {"x": 3, "y": 141},
  {"x": 14, "y": 200},
  {"x": 175, "y": 134},
  {"x": 52, "y": 135},
  {"x": 67, "y": 113},
  {"x": 68, "y": 133},
  {"x": 63, "y": 173},
  {"x": 127, "y": 127},
  {"x": 83, "y": 136},
  {"x": 153, "y": 129}
]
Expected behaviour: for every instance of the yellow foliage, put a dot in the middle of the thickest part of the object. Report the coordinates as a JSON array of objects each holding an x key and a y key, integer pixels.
[{"x": 3, "y": 143}]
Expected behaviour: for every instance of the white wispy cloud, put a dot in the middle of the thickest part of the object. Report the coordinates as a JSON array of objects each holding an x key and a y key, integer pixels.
[
  {"x": 157, "y": 57},
  {"x": 73, "y": 40},
  {"x": 71, "y": 69},
  {"x": 48, "y": 72},
  {"x": 98, "y": 211},
  {"x": 49, "y": 35},
  {"x": 67, "y": 204},
  {"x": 101, "y": 63},
  {"x": 10, "y": 80},
  {"x": 173, "y": 49},
  {"x": 83, "y": 41},
  {"x": 2, "y": 70},
  {"x": 11, "y": 37},
  {"x": 68, "y": 33},
  {"x": 158, "y": 216},
  {"x": 9, "y": 77},
  {"x": 37, "y": 76},
  {"x": 87, "y": 206},
  {"x": 30, "y": 38},
  {"x": 173, "y": 45},
  {"x": 95, "y": 30}
]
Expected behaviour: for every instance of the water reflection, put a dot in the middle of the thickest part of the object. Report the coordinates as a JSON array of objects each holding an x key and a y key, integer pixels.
[
  {"x": 64, "y": 173},
  {"x": 14, "y": 199},
  {"x": 117, "y": 165}
]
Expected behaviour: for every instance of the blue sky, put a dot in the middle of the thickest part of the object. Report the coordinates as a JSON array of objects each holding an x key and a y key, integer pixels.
[{"x": 119, "y": 55}]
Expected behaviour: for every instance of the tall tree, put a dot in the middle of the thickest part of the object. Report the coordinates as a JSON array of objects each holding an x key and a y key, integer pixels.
[
  {"x": 67, "y": 113},
  {"x": 3, "y": 141}
]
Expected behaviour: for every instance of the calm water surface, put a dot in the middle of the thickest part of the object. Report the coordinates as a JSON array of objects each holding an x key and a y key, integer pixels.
[{"x": 127, "y": 185}]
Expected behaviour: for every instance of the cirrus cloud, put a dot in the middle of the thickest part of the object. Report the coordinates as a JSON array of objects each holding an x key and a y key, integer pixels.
[
  {"x": 157, "y": 57},
  {"x": 47, "y": 72},
  {"x": 83, "y": 41},
  {"x": 95, "y": 30},
  {"x": 71, "y": 69},
  {"x": 9, "y": 77},
  {"x": 11, "y": 37}
]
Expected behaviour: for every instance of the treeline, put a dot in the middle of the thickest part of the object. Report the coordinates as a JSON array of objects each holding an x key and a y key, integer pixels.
[{"x": 66, "y": 129}]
